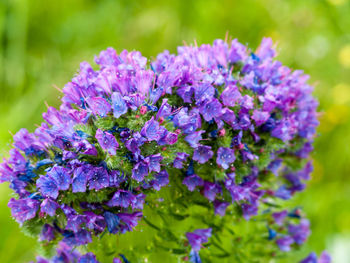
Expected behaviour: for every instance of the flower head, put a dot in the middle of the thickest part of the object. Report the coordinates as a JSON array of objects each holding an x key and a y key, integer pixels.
[{"x": 211, "y": 126}]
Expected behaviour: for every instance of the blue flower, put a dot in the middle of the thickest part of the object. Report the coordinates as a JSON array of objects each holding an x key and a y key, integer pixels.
[
  {"x": 81, "y": 176},
  {"x": 161, "y": 179},
  {"x": 284, "y": 243},
  {"x": 193, "y": 181},
  {"x": 139, "y": 171},
  {"x": 56, "y": 179},
  {"x": 99, "y": 179},
  {"x": 98, "y": 106},
  {"x": 112, "y": 221},
  {"x": 230, "y": 96},
  {"x": 49, "y": 207},
  {"x": 107, "y": 141},
  {"x": 179, "y": 159},
  {"x": 202, "y": 154},
  {"x": 198, "y": 237},
  {"x": 23, "y": 209},
  {"x": 153, "y": 162},
  {"x": 118, "y": 105},
  {"x": 194, "y": 138},
  {"x": 122, "y": 198},
  {"x": 225, "y": 156},
  {"x": 211, "y": 109},
  {"x": 151, "y": 130},
  {"x": 47, "y": 233}
]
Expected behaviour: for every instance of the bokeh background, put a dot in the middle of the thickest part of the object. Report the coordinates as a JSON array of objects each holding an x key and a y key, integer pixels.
[{"x": 43, "y": 42}]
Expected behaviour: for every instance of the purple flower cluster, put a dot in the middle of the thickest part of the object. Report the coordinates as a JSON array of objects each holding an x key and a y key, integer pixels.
[
  {"x": 66, "y": 254},
  {"x": 224, "y": 116},
  {"x": 288, "y": 228},
  {"x": 312, "y": 258}
]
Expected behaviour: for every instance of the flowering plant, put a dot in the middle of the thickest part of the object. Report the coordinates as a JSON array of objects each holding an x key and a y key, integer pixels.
[{"x": 170, "y": 158}]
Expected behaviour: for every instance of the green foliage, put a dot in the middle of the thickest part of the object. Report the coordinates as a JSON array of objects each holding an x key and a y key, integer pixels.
[
  {"x": 32, "y": 228},
  {"x": 47, "y": 249},
  {"x": 106, "y": 123}
]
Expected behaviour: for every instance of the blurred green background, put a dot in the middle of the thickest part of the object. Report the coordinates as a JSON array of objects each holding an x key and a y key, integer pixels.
[{"x": 43, "y": 42}]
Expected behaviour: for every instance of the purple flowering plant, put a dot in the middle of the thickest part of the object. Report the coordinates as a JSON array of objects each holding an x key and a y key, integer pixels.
[{"x": 189, "y": 156}]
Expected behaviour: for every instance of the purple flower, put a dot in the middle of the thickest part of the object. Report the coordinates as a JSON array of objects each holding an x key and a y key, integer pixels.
[
  {"x": 98, "y": 106},
  {"x": 171, "y": 138},
  {"x": 143, "y": 81},
  {"x": 6, "y": 173},
  {"x": 211, "y": 190},
  {"x": 133, "y": 144},
  {"x": 122, "y": 198},
  {"x": 82, "y": 237},
  {"x": 249, "y": 210},
  {"x": 284, "y": 131},
  {"x": 279, "y": 217},
  {"x": 116, "y": 178},
  {"x": 237, "y": 51},
  {"x": 17, "y": 161},
  {"x": 274, "y": 166},
  {"x": 228, "y": 116},
  {"x": 161, "y": 179},
  {"x": 74, "y": 222},
  {"x": 24, "y": 140},
  {"x": 61, "y": 176},
  {"x": 99, "y": 178},
  {"x": 283, "y": 193},
  {"x": 80, "y": 178},
  {"x": 49, "y": 207},
  {"x": 198, "y": 237},
  {"x": 230, "y": 96},
  {"x": 186, "y": 93},
  {"x": 118, "y": 104},
  {"x": 194, "y": 257},
  {"x": 211, "y": 109},
  {"x": 64, "y": 252},
  {"x": 325, "y": 258},
  {"x": 153, "y": 162},
  {"x": 130, "y": 220},
  {"x": 86, "y": 148},
  {"x": 202, "y": 154},
  {"x": 219, "y": 99},
  {"x": 225, "y": 156},
  {"x": 284, "y": 243},
  {"x": 246, "y": 102},
  {"x": 300, "y": 232},
  {"x": 151, "y": 130},
  {"x": 112, "y": 221},
  {"x": 203, "y": 92},
  {"x": 220, "y": 207},
  {"x": 57, "y": 178},
  {"x": 88, "y": 258},
  {"x": 139, "y": 201},
  {"x": 47, "y": 233},
  {"x": 179, "y": 159},
  {"x": 164, "y": 110},
  {"x": 260, "y": 117},
  {"x": 94, "y": 222},
  {"x": 194, "y": 138},
  {"x": 193, "y": 181},
  {"x": 107, "y": 141},
  {"x": 139, "y": 171},
  {"x": 23, "y": 209},
  {"x": 311, "y": 258},
  {"x": 265, "y": 50}
]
